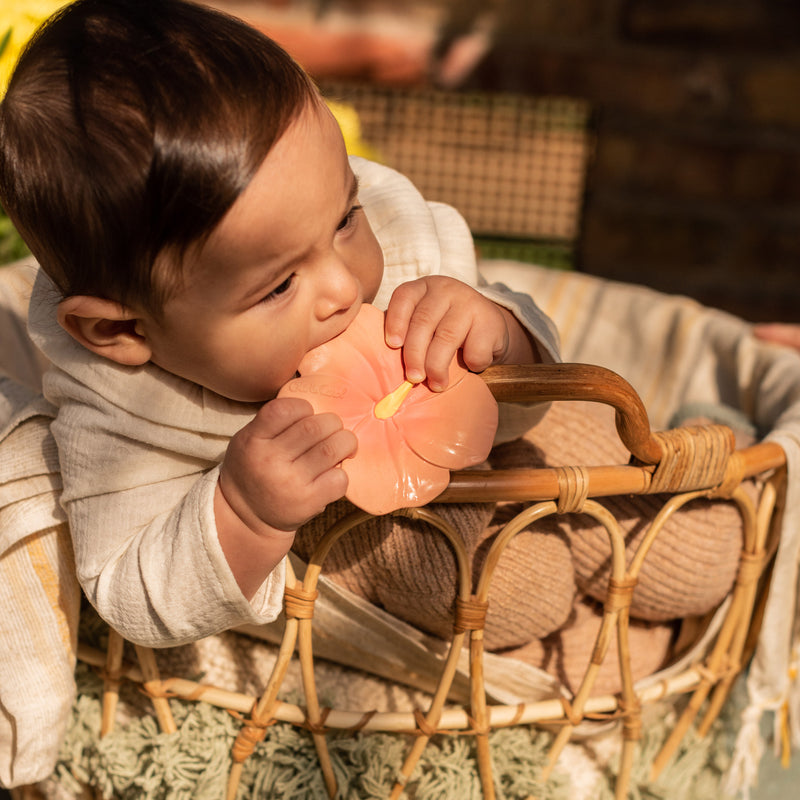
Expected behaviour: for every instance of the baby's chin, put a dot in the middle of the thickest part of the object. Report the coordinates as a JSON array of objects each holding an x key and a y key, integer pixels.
[
  {"x": 278, "y": 390},
  {"x": 260, "y": 400}
]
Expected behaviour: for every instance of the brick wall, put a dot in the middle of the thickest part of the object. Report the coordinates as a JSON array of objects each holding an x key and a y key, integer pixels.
[{"x": 695, "y": 182}]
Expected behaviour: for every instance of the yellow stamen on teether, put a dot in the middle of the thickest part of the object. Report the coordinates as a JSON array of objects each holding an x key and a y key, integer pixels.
[{"x": 389, "y": 405}]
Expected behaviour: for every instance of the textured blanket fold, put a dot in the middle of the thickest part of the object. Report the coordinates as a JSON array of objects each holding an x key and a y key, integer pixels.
[{"x": 39, "y": 594}]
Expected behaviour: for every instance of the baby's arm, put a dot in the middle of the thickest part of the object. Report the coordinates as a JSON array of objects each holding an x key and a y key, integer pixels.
[
  {"x": 279, "y": 471},
  {"x": 434, "y": 317},
  {"x": 152, "y": 553}
]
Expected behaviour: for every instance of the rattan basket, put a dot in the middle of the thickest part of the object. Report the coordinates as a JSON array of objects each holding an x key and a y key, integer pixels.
[{"x": 684, "y": 463}]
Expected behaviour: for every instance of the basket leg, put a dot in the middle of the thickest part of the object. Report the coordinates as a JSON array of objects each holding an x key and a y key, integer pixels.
[
  {"x": 625, "y": 768},
  {"x": 478, "y": 709},
  {"x": 723, "y": 688},
  {"x": 750, "y": 572},
  {"x": 432, "y": 718},
  {"x": 152, "y": 678},
  {"x": 732, "y": 637},
  {"x": 262, "y": 712},
  {"x": 234, "y": 778},
  {"x": 313, "y": 708},
  {"x": 111, "y": 681},
  {"x": 632, "y": 720},
  {"x": 714, "y": 665},
  {"x": 598, "y": 655}
]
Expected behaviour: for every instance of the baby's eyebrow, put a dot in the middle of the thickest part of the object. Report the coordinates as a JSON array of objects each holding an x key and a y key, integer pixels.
[{"x": 353, "y": 189}]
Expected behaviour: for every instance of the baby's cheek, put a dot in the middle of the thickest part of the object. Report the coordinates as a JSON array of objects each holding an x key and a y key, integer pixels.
[{"x": 372, "y": 267}]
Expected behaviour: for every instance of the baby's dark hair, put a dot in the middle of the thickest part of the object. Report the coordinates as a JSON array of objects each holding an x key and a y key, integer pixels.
[{"x": 128, "y": 130}]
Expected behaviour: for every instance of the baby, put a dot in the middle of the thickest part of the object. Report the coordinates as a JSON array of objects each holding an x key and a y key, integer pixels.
[{"x": 200, "y": 228}]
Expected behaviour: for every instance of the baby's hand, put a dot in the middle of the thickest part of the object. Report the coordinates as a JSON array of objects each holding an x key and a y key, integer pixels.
[
  {"x": 433, "y": 318},
  {"x": 281, "y": 469}
]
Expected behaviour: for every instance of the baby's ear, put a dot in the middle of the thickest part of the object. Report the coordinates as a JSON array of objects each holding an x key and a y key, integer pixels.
[{"x": 105, "y": 327}]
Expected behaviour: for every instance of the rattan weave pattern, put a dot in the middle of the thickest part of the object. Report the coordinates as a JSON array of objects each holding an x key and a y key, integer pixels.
[{"x": 513, "y": 165}]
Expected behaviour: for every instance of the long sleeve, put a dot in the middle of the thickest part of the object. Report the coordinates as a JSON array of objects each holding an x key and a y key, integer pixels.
[
  {"x": 146, "y": 546},
  {"x": 164, "y": 581}
]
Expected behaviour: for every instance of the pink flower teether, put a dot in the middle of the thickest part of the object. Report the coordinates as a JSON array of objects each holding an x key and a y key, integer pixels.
[{"x": 409, "y": 438}]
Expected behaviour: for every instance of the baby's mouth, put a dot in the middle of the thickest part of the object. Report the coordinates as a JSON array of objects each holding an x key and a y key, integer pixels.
[{"x": 350, "y": 315}]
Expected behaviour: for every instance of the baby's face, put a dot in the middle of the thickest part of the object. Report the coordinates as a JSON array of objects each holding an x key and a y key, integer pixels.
[{"x": 286, "y": 270}]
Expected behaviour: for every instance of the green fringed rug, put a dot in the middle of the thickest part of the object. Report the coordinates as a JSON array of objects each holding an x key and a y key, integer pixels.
[{"x": 136, "y": 761}]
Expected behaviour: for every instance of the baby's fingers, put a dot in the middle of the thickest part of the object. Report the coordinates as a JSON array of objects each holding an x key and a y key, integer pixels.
[
  {"x": 326, "y": 453},
  {"x": 315, "y": 433},
  {"x": 278, "y": 416},
  {"x": 297, "y": 432},
  {"x": 422, "y": 320},
  {"x": 318, "y": 468},
  {"x": 435, "y": 348},
  {"x": 482, "y": 347},
  {"x": 401, "y": 308}
]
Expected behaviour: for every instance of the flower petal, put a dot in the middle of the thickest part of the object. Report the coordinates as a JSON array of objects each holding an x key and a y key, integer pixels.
[
  {"x": 453, "y": 429},
  {"x": 361, "y": 353},
  {"x": 385, "y": 474}
]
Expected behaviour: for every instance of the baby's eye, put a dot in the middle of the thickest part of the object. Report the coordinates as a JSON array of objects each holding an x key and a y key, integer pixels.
[
  {"x": 347, "y": 221},
  {"x": 280, "y": 289}
]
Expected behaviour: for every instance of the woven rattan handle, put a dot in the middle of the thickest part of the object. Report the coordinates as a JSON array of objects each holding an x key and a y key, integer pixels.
[{"x": 551, "y": 382}]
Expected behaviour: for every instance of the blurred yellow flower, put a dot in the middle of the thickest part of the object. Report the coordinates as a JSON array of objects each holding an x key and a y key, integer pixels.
[
  {"x": 349, "y": 122},
  {"x": 18, "y": 21}
]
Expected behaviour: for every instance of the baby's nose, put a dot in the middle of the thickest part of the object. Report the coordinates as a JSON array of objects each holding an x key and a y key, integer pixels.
[{"x": 339, "y": 289}]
